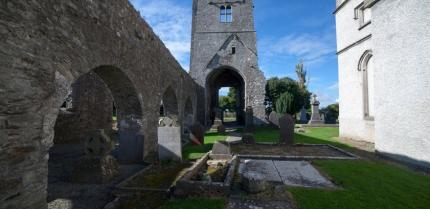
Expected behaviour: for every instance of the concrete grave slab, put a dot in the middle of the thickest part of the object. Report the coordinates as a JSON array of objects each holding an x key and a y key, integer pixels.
[
  {"x": 264, "y": 167},
  {"x": 292, "y": 173},
  {"x": 301, "y": 173}
]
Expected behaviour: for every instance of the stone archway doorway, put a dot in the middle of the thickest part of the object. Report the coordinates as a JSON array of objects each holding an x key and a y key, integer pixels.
[{"x": 220, "y": 78}]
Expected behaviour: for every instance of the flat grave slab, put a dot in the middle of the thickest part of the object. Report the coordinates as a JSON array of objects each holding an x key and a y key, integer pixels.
[
  {"x": 301, "y": 173},
  {"x": 291, "y": 173},
  {"x": 264, "y": 167}
]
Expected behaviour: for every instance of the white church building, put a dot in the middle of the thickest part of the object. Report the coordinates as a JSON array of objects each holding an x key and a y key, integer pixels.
[{"x": 383, "y": 49}]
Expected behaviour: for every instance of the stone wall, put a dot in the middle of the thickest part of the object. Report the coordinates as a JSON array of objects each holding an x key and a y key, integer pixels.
[
  {"x": 92, "y": 109},
  {"x": 46, "y": 46},
  {"x": 401, "y": 44}
]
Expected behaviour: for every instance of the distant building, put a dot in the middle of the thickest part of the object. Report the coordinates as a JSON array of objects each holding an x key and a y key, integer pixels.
[{"x": 384, "y": 75}]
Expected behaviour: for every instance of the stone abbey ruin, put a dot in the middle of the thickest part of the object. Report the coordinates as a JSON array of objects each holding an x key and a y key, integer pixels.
[
  {"x": 95, "y": 111},
  {"x": 67, "y": 66}
]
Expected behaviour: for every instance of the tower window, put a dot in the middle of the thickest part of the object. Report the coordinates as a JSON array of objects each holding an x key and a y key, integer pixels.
[
  {"x": 233, "y": 50},
  {"x": 226, "y": 14}
]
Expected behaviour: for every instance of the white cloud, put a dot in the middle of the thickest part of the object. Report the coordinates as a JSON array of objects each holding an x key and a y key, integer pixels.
[
  {"x": 311, "y": 48},
  {"x": 172, "y": 23}
]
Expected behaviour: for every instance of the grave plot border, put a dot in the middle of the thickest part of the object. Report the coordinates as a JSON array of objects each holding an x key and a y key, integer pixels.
[
  {"x": 187, "y": 187},
  {"x": 348, "y": 155}
]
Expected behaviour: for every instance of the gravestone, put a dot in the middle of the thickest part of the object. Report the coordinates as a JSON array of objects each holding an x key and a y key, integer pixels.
[
  {"x": 249, "y": 119},
  {"x": 303, "y": 115},
  {"x": 315, "y": 117},
  {"x": 274, "y": 119},
  {"x": 97, "y": 166},
  {"x": 248, "y": 138},
  {"x": 169, "y": 140},
  {"x": 286, "y": 129},
  {"x": 197, "y": 133},
  {"x": 130, "y": 141},
  {"x": 220, "y": 150},
  {"x": 221, "y": 129}
]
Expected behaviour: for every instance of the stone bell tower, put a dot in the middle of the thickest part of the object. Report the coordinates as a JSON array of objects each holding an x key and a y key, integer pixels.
[{"x": 224, "y": 54}]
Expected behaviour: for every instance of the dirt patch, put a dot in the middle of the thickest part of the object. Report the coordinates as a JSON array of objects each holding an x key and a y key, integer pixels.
[
  {"x": 283, "y": 150},
  {"x": 159, "y": 177}
]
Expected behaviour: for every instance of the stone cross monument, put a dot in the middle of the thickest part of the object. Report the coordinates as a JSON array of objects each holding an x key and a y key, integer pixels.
[{"x": 315, "y": 117}]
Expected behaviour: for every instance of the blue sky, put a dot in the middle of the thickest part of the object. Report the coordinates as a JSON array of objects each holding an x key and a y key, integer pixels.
[{"x": 287, "y": 31}]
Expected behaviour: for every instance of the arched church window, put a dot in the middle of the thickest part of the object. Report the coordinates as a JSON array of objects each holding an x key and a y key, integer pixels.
[
  {"x": 367, "y": 70},
  {"x": 226, "y": 14}
]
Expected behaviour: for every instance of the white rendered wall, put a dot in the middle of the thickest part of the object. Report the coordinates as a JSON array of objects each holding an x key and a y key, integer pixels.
[
  {"x": 401, "y": 38},
  {"x": 351, "y": 108}
]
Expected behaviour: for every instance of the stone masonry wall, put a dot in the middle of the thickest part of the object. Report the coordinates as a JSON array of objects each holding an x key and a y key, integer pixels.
[
  {"x": 211, "y": 51},
  {"x": 45, "y": 47}
]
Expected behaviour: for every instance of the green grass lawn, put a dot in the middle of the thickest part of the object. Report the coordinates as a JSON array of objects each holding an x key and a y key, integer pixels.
[
  {"x": 365, "y": 184},
  {"x": 193, "y": 152},
  {"x": 195, "y": 203}
]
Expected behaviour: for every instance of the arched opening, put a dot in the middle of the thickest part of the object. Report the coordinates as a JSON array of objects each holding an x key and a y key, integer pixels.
[
  {"x": 95, "y": 101},
  {"x": 226, "y": 14},
  {"x": 216, "y": 81},
  {"x": 169, "y": 104},
  {"x": 367, "y": 70}
]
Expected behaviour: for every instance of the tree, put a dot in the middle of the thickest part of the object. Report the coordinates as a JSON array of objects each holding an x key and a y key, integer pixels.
[
  {"x": 277, "y": 86},
  {"x": 285, "y": 104},
  {"x": 228, "y": 102},
  {"x": 301, "y": 74},
  {"x": 331, "y": 113}
]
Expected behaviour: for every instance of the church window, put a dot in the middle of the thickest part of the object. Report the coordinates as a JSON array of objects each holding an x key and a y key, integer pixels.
[
  {"x": 226, "y": 14},
  {"x": 233, "y": 50},
  {"x": 367, "y": 70},
  {"x": 363, "y": 14}
]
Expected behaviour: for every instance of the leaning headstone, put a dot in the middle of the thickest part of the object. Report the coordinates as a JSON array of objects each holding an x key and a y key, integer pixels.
[
  {"x": 249, "y": 119},
  {"x": 274, "y": 119},
  {"x": 169, "y": 140},
  {"x": 97, "y": 166},
  {"x": 286, "y": 129},
  {"x": 221, "y": 148},
  {"x": 197, "y": 133}
]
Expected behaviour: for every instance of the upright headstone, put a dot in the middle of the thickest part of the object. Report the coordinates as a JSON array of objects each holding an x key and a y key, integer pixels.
[
  {"x": 97, "y": 166},
  {"x": 303, "y": 115},
  {"x": 286, "y": 129},
  {"x": 169, "y": 140},
  {"x": 130, "y": 140},
  {"x": 315, "y": 117},
  {"x": 249, "y": 119},
  {"x": 218, "y": 121},
  {"x": 274, "y": 119}
]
